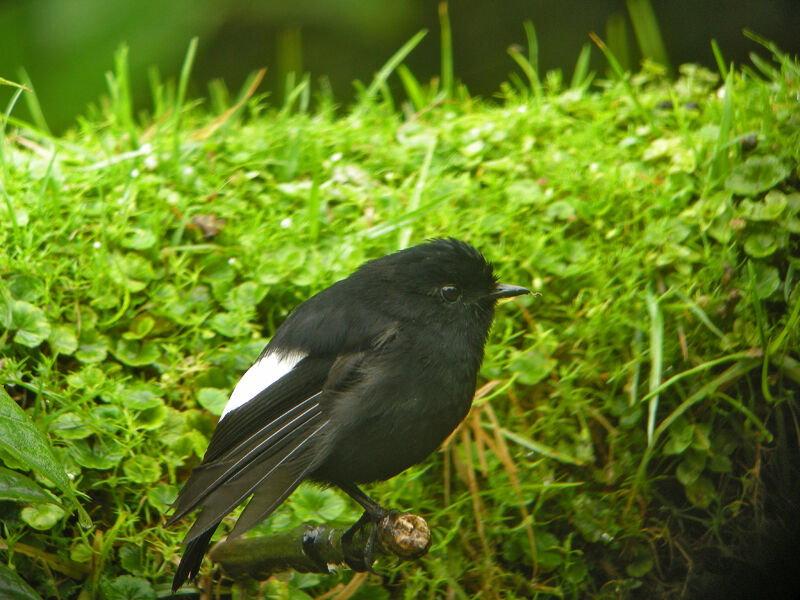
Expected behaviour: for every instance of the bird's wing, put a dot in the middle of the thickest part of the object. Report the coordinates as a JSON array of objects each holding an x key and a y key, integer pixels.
[
  {"x": 272, "y": 468},
  {"x": 271, "y": 436},
  {"x": 344, "y": 373},
  {"x": 264, "y": 445},
  {"x": 267, "y": 402}
]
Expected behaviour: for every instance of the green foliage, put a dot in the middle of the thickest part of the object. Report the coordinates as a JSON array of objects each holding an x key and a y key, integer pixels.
[
  {"x": 146, "y": 259},
  {"x": 12, "y": 587},
  {"x": 22, "y": 445}
]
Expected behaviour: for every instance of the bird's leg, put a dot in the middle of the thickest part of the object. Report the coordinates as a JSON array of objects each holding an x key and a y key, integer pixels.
[
  {"x": 375, "y": 511},
  {"x": 373, "y": 514}
]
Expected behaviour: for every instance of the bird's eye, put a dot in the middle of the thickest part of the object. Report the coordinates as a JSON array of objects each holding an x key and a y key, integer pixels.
[{"x": 450, "y": 293}]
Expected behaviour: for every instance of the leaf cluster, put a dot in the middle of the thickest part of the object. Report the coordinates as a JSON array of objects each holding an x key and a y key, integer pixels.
[{"x": 623, "y": 415}]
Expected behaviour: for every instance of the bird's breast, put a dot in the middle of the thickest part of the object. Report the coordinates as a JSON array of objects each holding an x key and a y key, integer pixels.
[{"x": 400, "y": 412}]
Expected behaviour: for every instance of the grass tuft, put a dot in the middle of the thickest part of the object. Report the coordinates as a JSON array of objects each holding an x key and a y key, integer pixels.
[{"x": 148, "y": 255}]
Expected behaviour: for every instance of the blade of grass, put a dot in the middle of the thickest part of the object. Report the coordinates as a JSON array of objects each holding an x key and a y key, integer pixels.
[
  {"x": 580, "y": 75},
  {"x": 502, "y": 452},
  {"x": 701, "y": 315},
  {"x": 656, "y": 359},
  {"x": 617, "y": 69},
  {"x": 205, "y": 132},
  {"x": 68, "y": 567},
  {"x": 32, "y": 101},
  {"x": 120, "y": 89},
  {"x": 446, "y": 50},
  {"x": 27, "y": 446},
  {"x": 789, "y": 366},
  {"x": 289, "y": 56},
  {"x": 8, "y": 82},
  {"x": 392, "y": 225},
  {"x": 723, "y": 70},
  {"x": 296, "y": 93},
  {"x": 770, "y": 72},
  {"x": 6, "y": 198},
  {"x": 539, "y": 448},
  {"x": 617, "y": 36},
  {"x": 218, "y": 95},
  {"x": 305, "y": 95},
  {"x": 46, "y": 181},
  {"x": 792, "y": 326},
  {"x": 157, "y": 91},
  {"x": 647, "y": 32},
  {"x": 638, "y": 336},
  {"x": 718, "y": 168},
  {"x": 492, "y": 390},
  {"x": 396, "y": 59},
  {"x": 412, "y": 87},
  {"x": 183, "y": 84},
  {"x": 747, "y": 413},
  {"x": 518, "y": 84},
  {"x": 103, "y": 546},
  {"x": 482, "y": 441},
  {"x": 741, "y": 368},
  {"x": 788, "y": 283},
  {"x": 533, "y": 46},
  {"x": 529, "y": 64},
  {"x": 613, "y": 62},
  {"x": 738, "y": 356},
  {"x": 467, "y": 472},
  {"x": 781, "y": 56},
  {"x": 761, "y": 322},
  {"x": 388, "y": 99},
  {"x": 534, "y": 85}
]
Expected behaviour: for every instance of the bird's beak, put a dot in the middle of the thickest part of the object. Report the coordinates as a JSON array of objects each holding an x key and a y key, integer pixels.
[{"x": 503, "y": 290}]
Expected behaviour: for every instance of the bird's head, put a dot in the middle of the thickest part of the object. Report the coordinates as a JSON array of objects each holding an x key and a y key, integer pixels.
[{"x": 445, "y": 278}]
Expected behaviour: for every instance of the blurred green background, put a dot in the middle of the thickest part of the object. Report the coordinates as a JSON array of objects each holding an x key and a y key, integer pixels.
[{"x": 65, "y": 46}]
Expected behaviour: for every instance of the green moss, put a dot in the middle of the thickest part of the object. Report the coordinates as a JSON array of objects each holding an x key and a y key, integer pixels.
[{"x": 146, "y": 259}]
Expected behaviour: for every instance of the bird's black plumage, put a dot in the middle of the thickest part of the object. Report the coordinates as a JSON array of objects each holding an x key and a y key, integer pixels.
[{"x": 361, "y": 381}]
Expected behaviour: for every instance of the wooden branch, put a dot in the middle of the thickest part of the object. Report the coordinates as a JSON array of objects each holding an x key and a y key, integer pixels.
[{"x": 319, "y": 549}]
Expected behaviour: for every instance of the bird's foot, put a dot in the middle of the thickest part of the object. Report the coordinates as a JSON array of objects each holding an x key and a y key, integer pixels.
[{"x": 357, "y": 558}]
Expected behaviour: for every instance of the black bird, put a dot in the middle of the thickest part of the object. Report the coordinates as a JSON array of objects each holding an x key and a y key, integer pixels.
[{"x": 362, "y": 381}]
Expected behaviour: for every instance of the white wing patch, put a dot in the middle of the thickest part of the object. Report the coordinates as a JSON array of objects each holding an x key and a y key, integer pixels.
[{"x": 260, "y": 376}]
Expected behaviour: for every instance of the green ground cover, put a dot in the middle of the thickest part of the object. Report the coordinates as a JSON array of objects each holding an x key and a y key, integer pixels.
[{"x": 630, "y": 420}]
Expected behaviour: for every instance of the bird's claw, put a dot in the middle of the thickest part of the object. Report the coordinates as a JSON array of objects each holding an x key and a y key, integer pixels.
[{"x": 363, "y": 561}]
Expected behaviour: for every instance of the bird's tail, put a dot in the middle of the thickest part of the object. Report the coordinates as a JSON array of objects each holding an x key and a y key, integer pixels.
[{"x": 192, "y": 558}]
